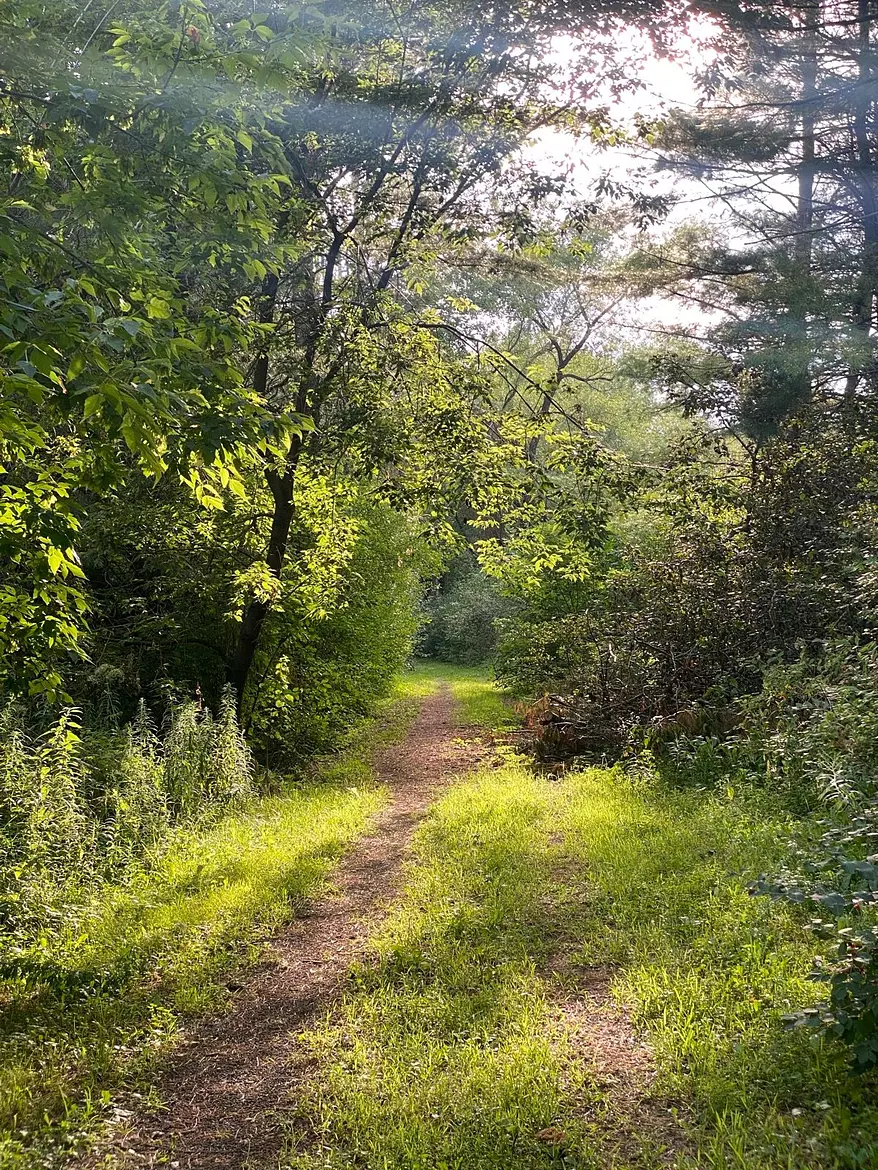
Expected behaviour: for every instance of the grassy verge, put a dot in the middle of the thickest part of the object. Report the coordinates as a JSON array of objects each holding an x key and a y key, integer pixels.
[
  {"x": 89, "y": 1009},
  {"x": 710, "y": 971},
  {"x": 446, "y": 1054},
  {"x": 479, "y": 702}
]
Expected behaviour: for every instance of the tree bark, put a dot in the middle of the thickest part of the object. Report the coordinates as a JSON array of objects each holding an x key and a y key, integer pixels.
[
  {"x": 281, "y": 483},
  {"x": 282, "y": 486},
  {"x": 864, "y": 304},
  {"x": 804, "y": 247}
]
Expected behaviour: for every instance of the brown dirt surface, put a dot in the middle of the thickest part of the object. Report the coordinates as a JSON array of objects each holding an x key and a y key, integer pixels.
[
  {"x": 602, "y": 1036},
  {"x": 226, "y": 1087}
]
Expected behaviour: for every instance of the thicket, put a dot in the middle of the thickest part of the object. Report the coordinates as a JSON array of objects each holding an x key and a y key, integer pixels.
[
  {"x": 78, "y": 808},
  {"x": 239, "y": 413}
]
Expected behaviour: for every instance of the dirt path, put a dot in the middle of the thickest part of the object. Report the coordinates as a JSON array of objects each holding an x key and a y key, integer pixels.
[{"x": 226, "y": 1085}]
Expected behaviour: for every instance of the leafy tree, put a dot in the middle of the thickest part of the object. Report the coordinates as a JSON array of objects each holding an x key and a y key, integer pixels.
[
  {"x": 111, "y": 345},
  {"x": 783, "y": 143},
  {"x": 461, "y": 615},
  {"x": 213, "y": 218}
]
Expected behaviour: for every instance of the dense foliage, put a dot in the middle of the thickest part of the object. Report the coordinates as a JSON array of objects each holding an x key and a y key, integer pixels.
[
  {"x": 213, "y": 386},
  {"x": 461, "y": 615},
  {"x": 313, "y": 355}
]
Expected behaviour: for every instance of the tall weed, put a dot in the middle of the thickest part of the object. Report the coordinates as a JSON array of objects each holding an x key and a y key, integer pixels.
[{"x": 78, "y": 807}]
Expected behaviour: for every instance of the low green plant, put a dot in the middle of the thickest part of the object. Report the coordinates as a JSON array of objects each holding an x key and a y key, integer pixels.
[
  {"x": 813, "y": 727},
  {"x": 47, "y": 834},
  {"x": 839, "y": 879},
  {"x": 810, "y": 736}
]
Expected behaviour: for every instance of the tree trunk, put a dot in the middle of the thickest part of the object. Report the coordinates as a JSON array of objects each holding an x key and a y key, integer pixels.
[
  {"x": 282, "y": 485},
  {"x": 804, "y": 247},
  {"x": 864, "y": 304}
]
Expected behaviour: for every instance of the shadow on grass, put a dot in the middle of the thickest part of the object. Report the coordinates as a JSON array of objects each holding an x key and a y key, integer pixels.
[
  {"x": 443, "y": 1054},
  {"x": 93, "y": 1007}
]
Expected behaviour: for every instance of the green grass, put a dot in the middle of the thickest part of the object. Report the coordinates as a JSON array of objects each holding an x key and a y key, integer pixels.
[
  {"x": 479, "y": 702},
  {"x": 445, "y": 1054},
  {"x": 710, "y": 971},
  {"x": 447, "y": 1051},
  {"x": 90, "y": 1007}
]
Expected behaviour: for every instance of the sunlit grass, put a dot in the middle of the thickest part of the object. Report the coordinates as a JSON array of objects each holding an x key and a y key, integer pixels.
[
  {"x": 710, "y": 971},
  {"x": 91, "y": 1006},
  {"x": 479, "y": 702},
  {"x": 444, "y": 1053},
  {"x": 106, "y": 993}
]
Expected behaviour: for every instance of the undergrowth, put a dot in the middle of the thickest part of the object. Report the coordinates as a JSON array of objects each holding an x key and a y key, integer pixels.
[
  {"x": 78, "y": 808},
  {"x": 93, "y": 995}
]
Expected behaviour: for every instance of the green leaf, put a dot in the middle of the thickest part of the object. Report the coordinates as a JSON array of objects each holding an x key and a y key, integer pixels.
[
  {"x": 77, "y": 365},
  {"x": 158, "y": 309}
]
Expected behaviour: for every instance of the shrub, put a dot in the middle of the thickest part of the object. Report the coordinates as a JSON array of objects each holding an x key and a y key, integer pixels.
[
  {"x": 707, "y": 567},
  {"x": 840, "y": 879},
  {"x": 206, "y": 761},
  {"x": 47, "y": 836},
  {"x": 78, "y": 806},
  {"x": 814, "y": 725},
  {"x": 812, "y": 735},
  {"x": 137, "y": 807},
  {"x": 323, "y": 666}
]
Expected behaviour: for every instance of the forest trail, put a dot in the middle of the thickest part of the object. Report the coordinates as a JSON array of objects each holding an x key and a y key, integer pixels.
[{"x": 225, "y": 1087}]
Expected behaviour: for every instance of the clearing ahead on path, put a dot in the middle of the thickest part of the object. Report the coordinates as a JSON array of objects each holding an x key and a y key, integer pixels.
[{"x": 224, "y": 1088}]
